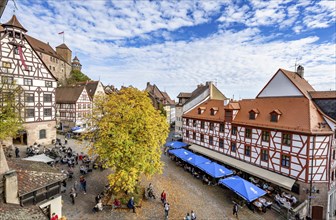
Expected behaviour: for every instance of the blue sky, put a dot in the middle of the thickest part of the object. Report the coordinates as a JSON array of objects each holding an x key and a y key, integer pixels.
[{"x": 179, "y": 44}]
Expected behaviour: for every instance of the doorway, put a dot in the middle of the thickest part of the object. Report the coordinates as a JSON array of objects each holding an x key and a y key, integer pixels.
[{"x": 317, "y": 212}]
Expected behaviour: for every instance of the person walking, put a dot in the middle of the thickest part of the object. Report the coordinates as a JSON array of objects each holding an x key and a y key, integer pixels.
[
  {"x": 187, "y": 217},
  {"x": 17, "y": 152},
  {"x": 163, "y": 197},
  {"x": 73, "y": 195},
  {"x": 166, "y": 209},
  {"x": 83, "y": 183},
  {"x": 235, "y": 210},
  {"x": 193, "y": 215}
]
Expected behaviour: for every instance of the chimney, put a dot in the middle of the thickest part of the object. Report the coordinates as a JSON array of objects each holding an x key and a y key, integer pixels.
[
  {"x": 300, "y": 71},
  {"x": 209, "y": 83}
]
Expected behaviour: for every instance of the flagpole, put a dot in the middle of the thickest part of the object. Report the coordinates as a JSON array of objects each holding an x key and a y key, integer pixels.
[{"x": 63, "y": 37}]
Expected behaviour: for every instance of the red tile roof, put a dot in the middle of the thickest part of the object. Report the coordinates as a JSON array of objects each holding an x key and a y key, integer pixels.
[
  {"x": 207, "y": 105},
  {"x": 69, "y": 94},
  {"x": 14, "y": 22}
]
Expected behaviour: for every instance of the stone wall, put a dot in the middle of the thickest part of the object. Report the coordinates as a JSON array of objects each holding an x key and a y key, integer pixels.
[
  {"x": 33, "y": 132},
  {"x": 60, "y": 69}
]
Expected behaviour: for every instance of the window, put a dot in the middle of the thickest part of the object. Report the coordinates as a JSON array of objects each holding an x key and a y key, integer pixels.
[
  {"x": 248, "y": 133},
  {"x": 63, "y": 114},
  {"x": 264, "y": 154},
  {"x": 334, "y": 154},
  {"x": 16, "y": 50},
  {"x": 51, "y": 59},
  {"x": 79, "y": 106},
  {"x": 202, "y": 124},
  {"x": 247, "y": 150},
  {"x": 30, "y": 113},
  {"x": 265, "y": 136},
  {"x": 17, "y": 35},
  {"x": 29, "y": 97},
  {"x": 285, "y": 160},
  {"x": 47, "y": 97},
  {"x": 233, "y": 146},
  {"x": 228, "y": 115},
  {"x": 10, "y": 33},
  {"x": 48, "y": 84},
  {"x": 274, "y": 117},
  {"x": 194, "y": 123},
  {"x": 221, "y": 127},
  {"x": 29, "y": 68},
  {"x": 212, "y": 111},
  {"x": 187, "y": 121},
  {"x": 211, "y": 140},
  {"x": 187, "y": 133},
  {"x": 202, "y": 137},
  {"x": 7, "y": 80},
  {"x": 234, "y": 130},
  {"x": 6, "y": 64},
  {"x": 53, "y": 68},
  {"x": 201, "y": 110},
  {"x": 252, "y": 115},
  {"x": 79, "y": 114},
  {"x": 332, "y": 176},
  {"x": 47, "y": 112},
  {"x": 221, "y": 143},
  {"x": 194, "y": 135},
  {"x": 43, "y": 134},
  {"x": 27, "y": 82},
  {"x": 286, "y": 139},
  {"x": 88, "y": 106},
  {"x": 211, "y": 126}
]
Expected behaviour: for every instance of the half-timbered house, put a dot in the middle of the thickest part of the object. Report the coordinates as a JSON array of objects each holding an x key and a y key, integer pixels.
[
  {"x": 73, "y": 106},
  {"x": 21, "y": 64},
  {"x": 281, "y": 137}
]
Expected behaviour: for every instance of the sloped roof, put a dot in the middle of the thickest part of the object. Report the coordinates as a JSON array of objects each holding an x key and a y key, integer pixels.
[
  {"x": 299, "y": 82},
  {"x": 14, "y": 22},
  {"x": 207, "y": 105},
  {"x": 199, "y": 90},
  {"x": 157, "y": 94},
  {"x": 297, "y": 114},
  {"x": 323, "y": 94},
  {"x": 91, "y": 87},
  {"x": 68, "y": 94},
  {"x": 168, "y": 99},
  {"x": 17, "y": 212},
  {"x": 34, "y": 175},
  {"x": 233, "y": 105},
  {"x": 63, "y": 46},
  {"x": 184, "y": 95}
]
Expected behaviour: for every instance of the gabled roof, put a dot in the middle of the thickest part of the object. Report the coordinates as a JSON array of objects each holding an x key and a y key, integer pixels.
[
  {"x": 297, "y": 114},
  {"x": 33, "y": 176},
  {"x": 14, "y": 22},
  {"x": 206, "y": 115},
  {"x": 199, "y": 90},
  {"x": 300, "y": 83},
  {"x": 157, "y": 94},
  {"x": 16, "y": 212},
  {"x": 233, "y": 105},
  {"x": 168, "y": 99},
  {"x": 68, "y": 94},
  {"x": 91, "y": 87},
  {"x": 63, "y": 46}
]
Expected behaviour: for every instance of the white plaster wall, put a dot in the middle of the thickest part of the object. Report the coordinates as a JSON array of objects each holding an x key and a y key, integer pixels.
[{"x": 55, "y": 206}]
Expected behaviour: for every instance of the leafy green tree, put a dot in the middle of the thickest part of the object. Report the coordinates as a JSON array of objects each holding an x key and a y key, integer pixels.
[
  {"x": 128, "y": 137},
  {"x": 77, "y": 76},
  {"x": 10, "y": 121}
]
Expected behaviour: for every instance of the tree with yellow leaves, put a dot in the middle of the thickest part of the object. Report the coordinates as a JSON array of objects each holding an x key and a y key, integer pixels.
[{"x": 128, "y": 137}]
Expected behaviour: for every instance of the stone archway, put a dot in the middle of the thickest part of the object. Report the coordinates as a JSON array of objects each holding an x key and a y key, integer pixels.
[{"x": 21, "y": 138}]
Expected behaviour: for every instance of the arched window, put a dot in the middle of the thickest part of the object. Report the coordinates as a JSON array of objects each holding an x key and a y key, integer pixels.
[{"x": 43, "y": 133}]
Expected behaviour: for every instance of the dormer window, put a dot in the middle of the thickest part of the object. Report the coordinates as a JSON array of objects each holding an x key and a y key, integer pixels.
[
  {"x": 253, "y": 114},
  {"x": 213, "y": 111},
  {"x": 201, "y": 110},
  {"x": 228, "y": 115},
  {"x": 275, "y": 115}
]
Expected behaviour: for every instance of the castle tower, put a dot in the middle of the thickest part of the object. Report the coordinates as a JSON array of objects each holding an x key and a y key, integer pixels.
[
  {"x": 76, "y": 65},
  {"x": 65, "y": 52},
  {"x": 15, "y": 31}
]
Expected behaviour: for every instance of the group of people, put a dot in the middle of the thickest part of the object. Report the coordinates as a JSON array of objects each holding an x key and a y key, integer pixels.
[{"x": 191, "y": 216}]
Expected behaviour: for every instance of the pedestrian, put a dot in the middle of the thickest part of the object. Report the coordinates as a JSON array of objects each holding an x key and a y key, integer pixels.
[
  {"x": 54, "y": 216},
  {"x": 163, "y": 197},
  {"x": 131, "y": 205},
  {"x": 193, "y": 215},
  {"x": 83, "y": 183},
  {"x": 187, "y": 217},
  {"x": 235, "y": 210},
  {"x": 73, "y": 195},
  {"x": 17, "y": 152},
  {"x": 76, "y": 158},
  {"x": 65, "y": 140},
  {"x": 166, "y": 209}
]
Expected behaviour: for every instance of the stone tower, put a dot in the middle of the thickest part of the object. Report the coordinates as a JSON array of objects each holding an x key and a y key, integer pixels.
[
  {"x": 76, "y": 65},
  {"x": 65, "y": 52}
]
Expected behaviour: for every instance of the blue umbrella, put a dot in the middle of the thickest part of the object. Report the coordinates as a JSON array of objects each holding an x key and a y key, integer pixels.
[
  {"x": 75, "y": 128},
  {"x": 196, "y": 159},
  {"x": 214, "y": 169},
  {"x": 181, "y": 153},
  {"x": 243, "y": 188},
  {"x": 175, "y": 144}
]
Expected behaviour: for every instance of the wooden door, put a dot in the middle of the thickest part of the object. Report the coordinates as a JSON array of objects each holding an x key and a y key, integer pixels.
[{"x": 317, "y": 212}]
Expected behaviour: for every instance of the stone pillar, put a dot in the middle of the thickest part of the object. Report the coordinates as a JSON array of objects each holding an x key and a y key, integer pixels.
[{"x": 11, "y": 187}]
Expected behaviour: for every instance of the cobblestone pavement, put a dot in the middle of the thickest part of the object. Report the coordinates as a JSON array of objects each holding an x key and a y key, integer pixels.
[{"x": 184, "y": 193}]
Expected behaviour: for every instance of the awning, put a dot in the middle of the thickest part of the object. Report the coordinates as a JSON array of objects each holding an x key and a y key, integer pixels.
[
  {"x": 175, "y": 144},
  {"x": 214, "y": 169},
  {"x": 267, "y": 175},
  {"x": 39, "y": 158},
  {"x": 181, "y": 153},
  {"x": 243, "y": 188},
  {"x": 196, "y": 159}
]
